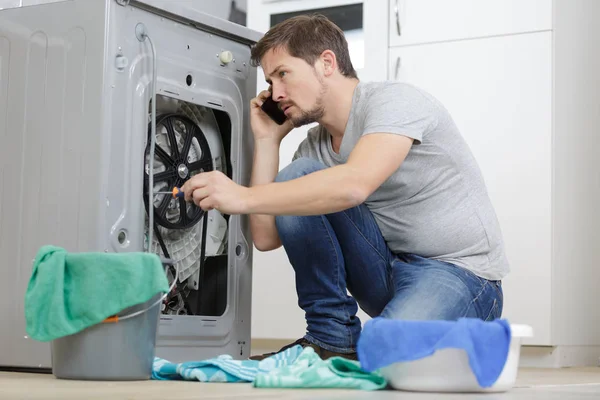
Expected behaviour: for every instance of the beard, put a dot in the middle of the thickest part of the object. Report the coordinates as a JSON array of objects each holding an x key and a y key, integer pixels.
[
  {"x": 314, "y": 114},
  {"x": 310, "y": 116}
]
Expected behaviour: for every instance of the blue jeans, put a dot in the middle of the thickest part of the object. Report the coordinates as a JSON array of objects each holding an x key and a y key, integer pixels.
[{"x": 345, "y": 251}]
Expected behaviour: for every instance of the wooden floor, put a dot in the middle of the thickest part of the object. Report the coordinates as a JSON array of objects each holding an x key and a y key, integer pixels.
[{"x": 547, "y": 384}]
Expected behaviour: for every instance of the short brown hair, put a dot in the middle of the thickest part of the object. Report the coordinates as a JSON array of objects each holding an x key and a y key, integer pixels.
[{"x": 306, "y": 37}]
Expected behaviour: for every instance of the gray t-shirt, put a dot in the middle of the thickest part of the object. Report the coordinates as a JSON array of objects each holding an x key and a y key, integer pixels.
[{"x": 436, "y": 204}]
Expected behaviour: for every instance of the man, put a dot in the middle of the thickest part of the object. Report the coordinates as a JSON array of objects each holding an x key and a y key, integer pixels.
[{"x": 383, "y": 198}]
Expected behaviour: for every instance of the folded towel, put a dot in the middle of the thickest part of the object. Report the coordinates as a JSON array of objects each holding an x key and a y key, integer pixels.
[
  {"x": 385, "y": 341},
  {"x": 68, "y": 292},
  {"x": 310, "y": 371},
  {"x": 223, "y": 368}
]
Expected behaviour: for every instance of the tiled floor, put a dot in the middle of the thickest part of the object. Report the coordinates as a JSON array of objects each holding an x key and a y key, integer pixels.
[{"x": 547, "y": 384}]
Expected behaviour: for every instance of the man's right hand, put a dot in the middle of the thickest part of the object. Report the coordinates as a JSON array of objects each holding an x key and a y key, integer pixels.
[{"x": 263, "y": 127}]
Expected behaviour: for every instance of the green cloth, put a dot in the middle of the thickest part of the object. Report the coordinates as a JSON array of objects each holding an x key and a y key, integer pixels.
[
  {"x": 310, "y": 371},
  {"x": 69, "y": 292}
]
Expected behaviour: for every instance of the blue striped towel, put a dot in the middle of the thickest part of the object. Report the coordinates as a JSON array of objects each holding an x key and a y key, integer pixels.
[{"x": 223, "y": 368}]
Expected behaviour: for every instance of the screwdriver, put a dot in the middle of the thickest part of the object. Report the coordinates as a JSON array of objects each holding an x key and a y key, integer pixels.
[{"x": 176, "y": 192}]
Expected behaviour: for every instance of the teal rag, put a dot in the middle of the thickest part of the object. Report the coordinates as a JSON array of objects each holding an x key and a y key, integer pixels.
[
  {"x": 310, "y": 371},
  {"x": 68, "y": 292},
  {"x": 222, "y": 368}
]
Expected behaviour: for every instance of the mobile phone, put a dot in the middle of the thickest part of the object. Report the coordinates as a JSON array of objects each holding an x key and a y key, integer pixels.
[{"x": 272, "y": 109}]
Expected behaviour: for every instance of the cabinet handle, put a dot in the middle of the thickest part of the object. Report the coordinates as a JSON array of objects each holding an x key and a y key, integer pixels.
[
  {"x": 398, "y": 64},
  {"x": 397, "y": 11}
]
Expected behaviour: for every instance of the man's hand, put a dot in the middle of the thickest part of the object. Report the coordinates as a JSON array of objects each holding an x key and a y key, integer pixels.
[
  {"x": 214, "y": 189},
  {"x": 263, "y": 127}
]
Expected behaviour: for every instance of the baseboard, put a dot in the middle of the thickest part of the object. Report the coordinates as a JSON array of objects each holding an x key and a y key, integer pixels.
[
  {"x": 261, "y": 346},
  {"x": 531, "y": 356},
  {"x": 559, "y": 356}
]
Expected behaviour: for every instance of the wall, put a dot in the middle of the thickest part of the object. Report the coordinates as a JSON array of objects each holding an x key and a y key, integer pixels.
[{"x": 576, "y": 266}]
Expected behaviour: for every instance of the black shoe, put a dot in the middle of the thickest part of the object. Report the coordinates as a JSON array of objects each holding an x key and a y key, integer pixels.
[{"x": 321, "y": 352}]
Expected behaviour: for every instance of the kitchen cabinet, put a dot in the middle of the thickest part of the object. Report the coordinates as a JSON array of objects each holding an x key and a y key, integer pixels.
[
  {"x": 498, "y": 91},
  {"x": 425, "y": 21},
  {"x": 520, "y": 79}
]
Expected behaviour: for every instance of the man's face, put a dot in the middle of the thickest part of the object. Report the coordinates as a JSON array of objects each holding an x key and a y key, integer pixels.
[{"x": 297, "y": 86}]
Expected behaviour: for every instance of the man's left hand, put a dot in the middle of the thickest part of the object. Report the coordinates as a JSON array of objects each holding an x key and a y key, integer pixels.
[{"x": 214, "y": 189}]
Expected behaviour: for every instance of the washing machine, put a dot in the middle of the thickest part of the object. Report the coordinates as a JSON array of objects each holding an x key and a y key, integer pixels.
[{"x": 103, "y": 103}]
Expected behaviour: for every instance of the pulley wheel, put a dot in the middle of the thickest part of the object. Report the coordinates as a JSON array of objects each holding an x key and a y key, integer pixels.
[{"x": 181, "y": 153}]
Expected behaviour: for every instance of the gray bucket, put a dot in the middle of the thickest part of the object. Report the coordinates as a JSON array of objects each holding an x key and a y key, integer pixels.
[
  {"x": 112, "y": 351},
  {"x": 117, "y": 351}
]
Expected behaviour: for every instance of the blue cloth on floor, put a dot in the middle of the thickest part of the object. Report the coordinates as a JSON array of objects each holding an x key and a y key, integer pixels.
[
  {"x": 386, "y": 341},
  {"x": 223, "y": 368}
]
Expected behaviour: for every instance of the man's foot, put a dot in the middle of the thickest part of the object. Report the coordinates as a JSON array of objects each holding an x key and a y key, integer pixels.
[{"x": 321, "y": 352}]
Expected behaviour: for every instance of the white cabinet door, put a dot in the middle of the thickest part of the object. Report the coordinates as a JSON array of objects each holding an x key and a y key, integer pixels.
[
  {"x": 425, "y": 21},
  {"x": 498, "y": 90}
]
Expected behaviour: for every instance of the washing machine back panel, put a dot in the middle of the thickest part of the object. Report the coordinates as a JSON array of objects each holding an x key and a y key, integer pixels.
[
  {"x": 51, "y": 91},
  {"x": 74, "y": 92},
  {"x": 190, "y": 68}
]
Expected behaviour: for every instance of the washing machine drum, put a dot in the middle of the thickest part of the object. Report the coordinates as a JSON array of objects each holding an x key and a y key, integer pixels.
[
  {"x": 188, "y": 142},
  {"x": 182, "y": 151}
]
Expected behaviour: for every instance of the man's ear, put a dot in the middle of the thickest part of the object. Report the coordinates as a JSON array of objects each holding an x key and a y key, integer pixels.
[{"x": 329, "y": 62}]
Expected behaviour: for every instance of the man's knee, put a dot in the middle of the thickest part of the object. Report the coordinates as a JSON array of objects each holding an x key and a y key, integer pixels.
[
  {"x": 437, "y": 292},
  {"x": 298, "y": 168}
]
